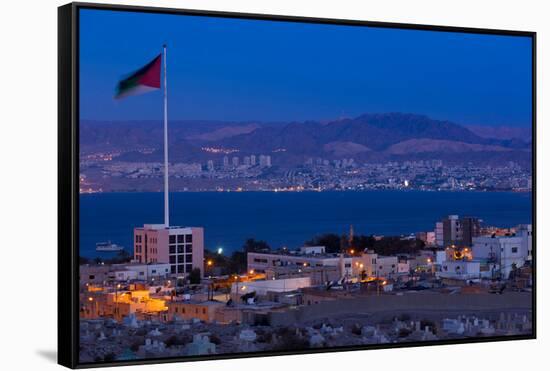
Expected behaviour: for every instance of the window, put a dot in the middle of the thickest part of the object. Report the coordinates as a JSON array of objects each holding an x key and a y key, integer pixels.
[
  {"x": 153, "y": 271},
  {"x": 514, "y": 250},
  {"x": 188, "y": 248},
  {"x": 91, "y": 277},
  {"x": 172, "y": 239},
  {"x": 180, "y": 268},
  {"x": 180, "y": 249},
  {"x": 203, "y": 310},
  {"x": 188, "y": 257},
  {"x": 189, "y": 238},
  {"x": 172, "y": 259},
  {"x": 258, "y": 260},
  {"x": 180, "y": 238},
  {"x": 172, "y": 249},
  {"x": 173, "y": 269},
  {"x": 180, "y": 259},
  {"x": 188, "y": 267}
]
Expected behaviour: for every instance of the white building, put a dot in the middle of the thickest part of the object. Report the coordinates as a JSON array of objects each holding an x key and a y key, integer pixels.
[
  {"x": 507, "y": 252},
  {"x": 314, "y": 256},
  {"x": 146, "y": 272},
  {"x": 263, "y": 287},
  {"x": 386, "y": 266},
  {"x": 265, "y": 161},
  {"x": 525, "y": 231},
  {"x": 312, "y": 249},
  {"x": 460, "y": 269}
]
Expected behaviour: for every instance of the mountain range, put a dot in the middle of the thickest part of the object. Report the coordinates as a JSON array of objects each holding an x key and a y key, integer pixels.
[{"x": 368, "y": 137}]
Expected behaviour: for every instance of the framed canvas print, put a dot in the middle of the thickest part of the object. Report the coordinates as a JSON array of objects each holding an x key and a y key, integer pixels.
[{"x": 236, "y": 185}]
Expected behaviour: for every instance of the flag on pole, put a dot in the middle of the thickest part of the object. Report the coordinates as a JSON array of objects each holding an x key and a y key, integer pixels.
[{"x": 142, "y": 81}]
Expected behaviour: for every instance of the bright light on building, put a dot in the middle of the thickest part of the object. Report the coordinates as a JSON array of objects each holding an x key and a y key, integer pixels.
[{"x": 220, "y": 250}]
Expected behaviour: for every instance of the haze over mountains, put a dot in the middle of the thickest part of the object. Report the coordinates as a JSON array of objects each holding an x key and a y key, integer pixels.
[{"x": 369, "y": 138}]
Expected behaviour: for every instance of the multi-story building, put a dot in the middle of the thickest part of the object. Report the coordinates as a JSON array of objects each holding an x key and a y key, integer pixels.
[
  {"x": 181, "y": 247},
  {"x": 357, "y": 266},
  {"x": 507, "y": 252},
  {"x": 265, "y": 161},
  {"x": 471, "y": 228},
  {"x": 455, "y": 231},
  {"x": 525, "y": 231},
  {"x": 390, "y": 267}
]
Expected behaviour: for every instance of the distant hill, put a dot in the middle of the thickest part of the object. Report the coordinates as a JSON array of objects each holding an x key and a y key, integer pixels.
[
  {"x": 502, "y": 132},
  {"x": 369, "y": 137}
]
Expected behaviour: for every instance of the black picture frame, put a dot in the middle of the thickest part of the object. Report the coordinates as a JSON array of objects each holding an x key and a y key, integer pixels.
[{"x": 68, "y": 174}]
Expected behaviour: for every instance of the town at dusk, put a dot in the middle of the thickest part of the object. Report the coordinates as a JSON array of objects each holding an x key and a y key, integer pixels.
[{"x": 274, "y": 187}]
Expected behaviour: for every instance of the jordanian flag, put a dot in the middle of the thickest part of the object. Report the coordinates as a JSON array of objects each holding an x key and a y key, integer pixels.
[{"x": 144, "y": 80}]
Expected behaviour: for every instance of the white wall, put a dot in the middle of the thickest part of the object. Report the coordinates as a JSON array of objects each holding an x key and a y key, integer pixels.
[
  {"x": 28, "y": 160},
  {"x": 262, "y": 287}
]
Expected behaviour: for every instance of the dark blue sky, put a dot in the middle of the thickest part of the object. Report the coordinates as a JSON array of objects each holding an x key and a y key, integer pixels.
[{"x": 229, "y": 69}]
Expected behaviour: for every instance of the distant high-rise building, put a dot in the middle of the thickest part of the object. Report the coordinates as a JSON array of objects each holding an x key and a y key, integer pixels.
[
  {"x": 225, "y": 161},
  {"x": 455, "y": 231},
  {"x": 210, "y": 165},
  {"x": 470, "y": 228},
  {"x": 253, "y": 160},
  {"x": 265, "y": 161},
  {"x": 246, "y": 160},
  {"x": 235, "y": 161}
]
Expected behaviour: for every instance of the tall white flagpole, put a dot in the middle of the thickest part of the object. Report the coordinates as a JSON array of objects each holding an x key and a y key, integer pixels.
[{"x": 166, "y": 195}]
